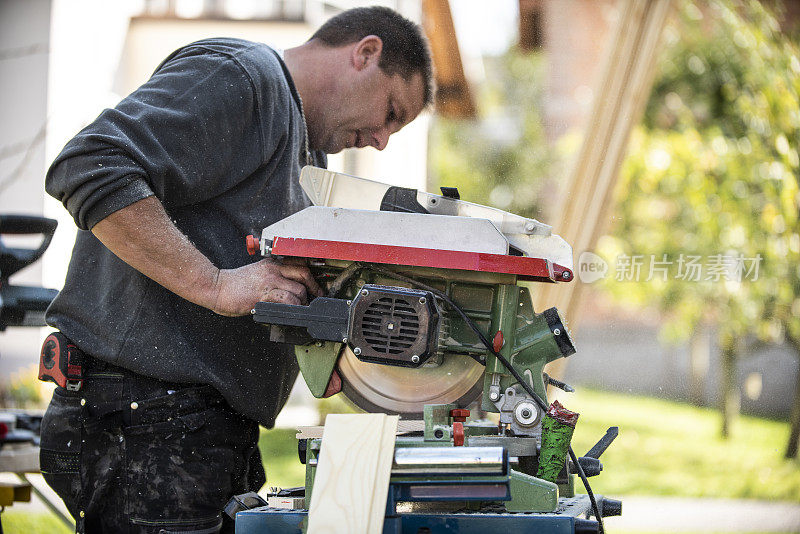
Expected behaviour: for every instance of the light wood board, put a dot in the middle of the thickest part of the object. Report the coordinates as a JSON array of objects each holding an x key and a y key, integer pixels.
[
  {"x": 352, "y": 479},
  {"x": 586, "y": 203}
]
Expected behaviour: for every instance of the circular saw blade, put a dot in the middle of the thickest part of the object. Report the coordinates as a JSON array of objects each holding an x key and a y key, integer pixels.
[{"x": 404, "y": 390}]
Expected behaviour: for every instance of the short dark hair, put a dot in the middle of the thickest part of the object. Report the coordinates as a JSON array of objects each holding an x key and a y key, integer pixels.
[{"x": 405, "y": 48}]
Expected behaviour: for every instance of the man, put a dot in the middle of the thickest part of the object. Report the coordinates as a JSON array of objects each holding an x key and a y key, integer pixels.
[{"x": 163, "y": 188}]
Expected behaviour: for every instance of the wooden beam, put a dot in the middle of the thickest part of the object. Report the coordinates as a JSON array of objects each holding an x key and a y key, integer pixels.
[
  {"x": 586, "y": 202},
  {"x": 531, "y": 20},
  {"x": 453, "y": 98},
  {"x": 11, "y": 492}
]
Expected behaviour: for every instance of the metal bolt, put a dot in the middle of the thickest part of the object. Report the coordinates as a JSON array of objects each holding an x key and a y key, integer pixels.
[
  {"x": 364, "y": 292},
  {"x": 134, "y": 406},
  {"x": 253, "y": 311},
  {"x": 357, "y": 351},
  {"x": 415, "y": 359},
  {"x": 525, "y": 413},
  {"x": 566, "y": 275},
  {"x": 556, "y": 332},
  {"x": 344, "y": 340},
  {"x": 83, "y": 402},
  {"x": 349, "y": 302},
  {"x": 494, "y": 396},
  {"x": 422, "y": 300},
  {"x": 529, "y": 227}
]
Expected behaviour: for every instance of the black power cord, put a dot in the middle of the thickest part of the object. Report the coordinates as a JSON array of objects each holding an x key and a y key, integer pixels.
[{"x": 509, "y": 368}]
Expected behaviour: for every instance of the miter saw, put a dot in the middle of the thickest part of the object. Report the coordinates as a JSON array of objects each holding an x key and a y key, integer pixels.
[{"x": 425, "y": 317}]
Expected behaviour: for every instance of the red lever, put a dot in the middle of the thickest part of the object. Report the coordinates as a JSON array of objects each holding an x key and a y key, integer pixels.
[
  {"x": 253, "y": 245},
  {"x": 459, "y": 414},
  {"x": 458, "y": 434}
]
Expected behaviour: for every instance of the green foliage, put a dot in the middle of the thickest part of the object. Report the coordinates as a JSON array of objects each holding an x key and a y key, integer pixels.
[
  {"x": 714, "y": 170},
  {"x": 23, "y": 390},
  {"x": 501, "y": 159}
]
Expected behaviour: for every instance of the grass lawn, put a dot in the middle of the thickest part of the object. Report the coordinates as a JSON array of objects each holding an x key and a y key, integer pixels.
[
  {"x": 16, "y": 522},
  {"x": 279, "y": 453},
  {"x": 668, "y": 448},
  {"x": 664, "y": 448}
]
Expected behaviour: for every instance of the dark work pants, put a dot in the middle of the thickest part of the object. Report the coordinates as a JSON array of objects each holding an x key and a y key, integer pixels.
[{"x": 129, "y": 454}]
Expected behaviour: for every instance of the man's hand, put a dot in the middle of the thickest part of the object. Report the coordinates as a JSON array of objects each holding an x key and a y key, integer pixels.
[{"x": 287, "y": 282}]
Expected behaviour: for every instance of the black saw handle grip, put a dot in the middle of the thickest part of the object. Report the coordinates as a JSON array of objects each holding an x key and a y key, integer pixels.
[
  {"x": 601, "y": 446},
  {"x": 13, "y": 259}
]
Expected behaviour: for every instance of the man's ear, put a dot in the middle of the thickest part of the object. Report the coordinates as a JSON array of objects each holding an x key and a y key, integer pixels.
[{"x": 366, "y": 51}]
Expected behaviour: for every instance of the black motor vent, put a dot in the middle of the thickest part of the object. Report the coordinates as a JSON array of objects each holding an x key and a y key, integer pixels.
[
  {"x": 390, "y": 325},
  {"x": 393, "y": 325}
]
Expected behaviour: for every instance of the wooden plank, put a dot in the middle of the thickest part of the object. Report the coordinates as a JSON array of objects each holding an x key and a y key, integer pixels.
[
  {"x": 352, "y": 478},
  {"x": 6, "y": 494},
  {"x": 377, "y": 510},
  {"x": 19, "y": 458},
  {"x": 453, "y": 98},
  {"x": 586, "y": 203},
  {"x": 531, "y": 21}
]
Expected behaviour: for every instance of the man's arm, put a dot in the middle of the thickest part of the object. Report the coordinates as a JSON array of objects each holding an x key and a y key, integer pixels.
[{"x": 144, "y": 237}]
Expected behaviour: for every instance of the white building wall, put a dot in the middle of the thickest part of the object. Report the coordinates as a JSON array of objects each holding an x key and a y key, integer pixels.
[{"x": 24, "y": 42}]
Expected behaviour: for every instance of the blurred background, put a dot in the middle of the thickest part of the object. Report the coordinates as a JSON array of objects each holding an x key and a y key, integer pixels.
[{"x": 659, "y": 137}]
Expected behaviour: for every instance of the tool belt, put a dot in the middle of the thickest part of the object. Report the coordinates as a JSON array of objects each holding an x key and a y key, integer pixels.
[{"x": 62, "y": 362}]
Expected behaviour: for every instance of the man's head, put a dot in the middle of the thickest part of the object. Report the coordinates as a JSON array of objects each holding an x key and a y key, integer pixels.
[
  {"x": 373, "y": 75},
  {"x": 405, "y": 48}
]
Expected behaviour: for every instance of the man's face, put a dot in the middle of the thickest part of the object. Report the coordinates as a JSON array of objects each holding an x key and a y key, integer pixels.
[{"x": 368, "y": 106}]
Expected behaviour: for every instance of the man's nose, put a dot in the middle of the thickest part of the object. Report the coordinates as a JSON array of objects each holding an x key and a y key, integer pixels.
[{"x": 380, "y": 138}]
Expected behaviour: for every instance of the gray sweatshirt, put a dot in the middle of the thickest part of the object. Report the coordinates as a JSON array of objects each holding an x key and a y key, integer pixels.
[{"x": 217, "y": 135}]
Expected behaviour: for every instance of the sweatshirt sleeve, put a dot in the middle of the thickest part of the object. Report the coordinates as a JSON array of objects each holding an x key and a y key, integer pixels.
[{"x": 193, "y": 131}]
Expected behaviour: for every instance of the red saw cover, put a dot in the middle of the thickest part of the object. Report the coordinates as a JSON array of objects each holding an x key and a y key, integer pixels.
[{"x": 536, "y": 269}]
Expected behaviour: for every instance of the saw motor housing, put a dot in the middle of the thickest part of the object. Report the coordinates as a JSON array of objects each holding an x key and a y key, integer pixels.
[{"x": 394, "y": 325}]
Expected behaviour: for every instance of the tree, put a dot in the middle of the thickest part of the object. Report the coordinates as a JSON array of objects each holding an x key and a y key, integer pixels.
[
  {"x": 713, "y": 175},
  {"x": 501, "y": 159}
]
